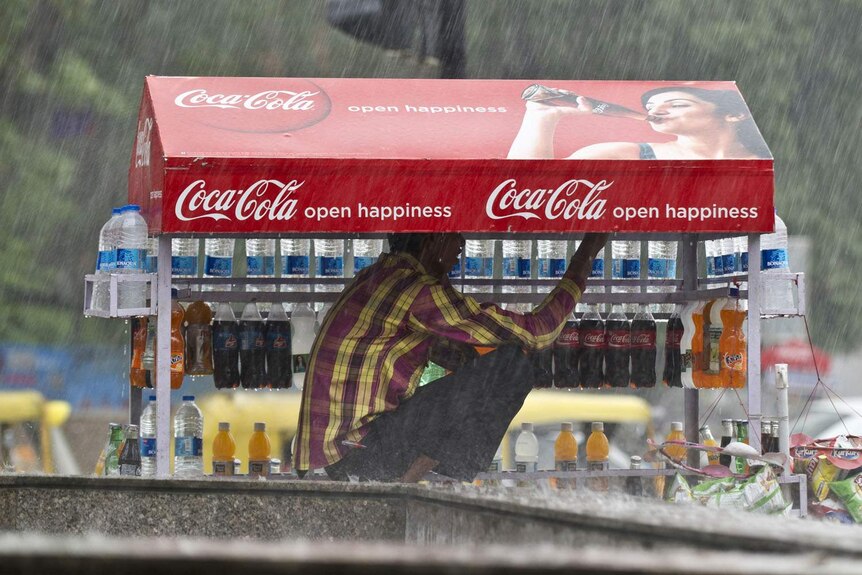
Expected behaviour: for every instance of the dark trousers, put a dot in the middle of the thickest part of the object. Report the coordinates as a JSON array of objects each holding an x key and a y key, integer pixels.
[{"x": 458, "y": 420}]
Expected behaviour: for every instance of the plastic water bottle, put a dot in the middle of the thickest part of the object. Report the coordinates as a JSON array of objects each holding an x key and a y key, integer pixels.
[
  {"x": 478, "y": 264},
  {"x": 218, "y": 262},
  {"x": 184, "y": 257},
  {"x": 661, "y": 265},
  {"x": 710, "y": 249},
  {"x": 727, "y": 253},
  {"x": 365, "y": 253},
  {"x": 526, "y": 449},
  {"x": 260, "y": 262},
  {"x": 517, "y": 256},
  {"x": 550, "y": 261},
  {"x": 294, "y": 264},
  {"x": 740, "y": 248},
  {"x": 131, "y": 256},
  {"x": 302, "y": 336},
  {"x": 152, "y": 255},
  {"x": 106, "y": 262},
  {"x": 626, "y": 264},
  {"x": 330, "y": 263},
  {"x": 777, "y": 293},
  {"x": 188, "y": 439},
  {"x": 597, "y": 273},
  {"x": 148, "y": 439}
]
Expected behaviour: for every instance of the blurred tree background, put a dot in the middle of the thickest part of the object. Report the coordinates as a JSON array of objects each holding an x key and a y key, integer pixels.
[{"x": 72, "y": 73}]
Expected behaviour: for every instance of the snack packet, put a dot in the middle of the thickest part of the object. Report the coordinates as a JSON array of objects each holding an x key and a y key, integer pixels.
[{"x": 849, "y": 491}]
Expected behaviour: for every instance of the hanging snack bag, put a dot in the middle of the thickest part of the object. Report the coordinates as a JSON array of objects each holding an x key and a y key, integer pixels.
[{"x": 849, "y": 492}]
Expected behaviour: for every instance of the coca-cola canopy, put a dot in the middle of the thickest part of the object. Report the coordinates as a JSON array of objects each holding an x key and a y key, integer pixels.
[{"x": 292, "y": 155}]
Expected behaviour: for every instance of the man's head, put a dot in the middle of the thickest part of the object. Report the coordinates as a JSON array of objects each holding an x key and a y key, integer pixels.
[{"x": 438, "y": 252}]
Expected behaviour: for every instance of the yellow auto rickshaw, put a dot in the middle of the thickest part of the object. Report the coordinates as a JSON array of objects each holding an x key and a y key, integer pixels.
[{"x": 29, "y": 427}]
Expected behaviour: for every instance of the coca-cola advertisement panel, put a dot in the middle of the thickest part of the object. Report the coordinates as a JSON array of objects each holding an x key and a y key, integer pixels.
[{"x": 274, "y": 155}]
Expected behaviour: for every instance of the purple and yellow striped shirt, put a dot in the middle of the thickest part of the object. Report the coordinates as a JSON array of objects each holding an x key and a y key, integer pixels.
[{"x": 375, "y": 342}]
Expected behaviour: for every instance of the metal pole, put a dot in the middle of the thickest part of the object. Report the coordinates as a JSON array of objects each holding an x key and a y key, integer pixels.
[
  {"x": 691, "y": 397},
  {"x": 755, "y": 291},
  {"x": 782, "y": 386},
  {"x": 163, "y": 359}
]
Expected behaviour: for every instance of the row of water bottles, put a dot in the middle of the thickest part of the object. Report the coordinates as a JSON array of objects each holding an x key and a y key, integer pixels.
[
  {"x": 122, "y": 250},
  {"x": 188, "y": 439}
]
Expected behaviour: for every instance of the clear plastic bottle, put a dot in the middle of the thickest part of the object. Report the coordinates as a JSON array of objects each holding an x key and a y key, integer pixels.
[
  {"x": 278, "y": 354},
  {"x": 302, "y": 337},
  {"x": 129, "y": 461},
  {"x": 188, "y": 439},
  {"x": 661, "y": 265},
  {"x": 550, "y": 261},
  {"x": 626, "y": 264},
  {"x": 727, "y": 253},
  {"x": 148, "y": 439},
  {"x": 131, "y": 256},
  {"x": 740, "y": 249},
  {"x": 218, "y": 262},
  {"x": 294, "y": 264},
  {"x": 329, "y": 254},
  {"x": 526, "y": 449},
  {"x": 634, "y": 483},
  {"x": 714, "y": 266},
  {"x": 596, "y": 273},
  {"x": 152, "y": 255},
  {"x": 365, "y": 253},
  {"x": 252, "y": 347},
  {"x": 226, "y": 373},
  {"x": 517, "y": 256},
  {"x": 106, "y": 263},
  {"x": 479, "y": 264},
  {"x": 777, "y": 294},
  {"x": 184, "y": 257},
  {"x": 260, "y": 262}
]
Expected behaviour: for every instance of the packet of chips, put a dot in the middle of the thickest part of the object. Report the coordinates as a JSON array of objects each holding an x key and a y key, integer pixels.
[
  {"x": 821, "y": 472},
  {"x": 679, "y": 491},
  {"x": 849, "y": 491}
]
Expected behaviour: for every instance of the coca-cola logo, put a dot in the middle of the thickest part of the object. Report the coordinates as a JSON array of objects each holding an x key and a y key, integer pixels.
[
  {"x": 569, "y": 338},
  {"x": 571, "y": 200},
  {"x": 593, "y": 339},
  {"x": 266, "y": 100},
  {"x": 263, "y": 200},
  {"x": 619, "y": 339},
  {"x": 643, "y": 339}
]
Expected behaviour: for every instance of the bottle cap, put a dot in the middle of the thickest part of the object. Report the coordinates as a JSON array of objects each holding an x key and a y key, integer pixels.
[
  {"x": 224, "y": 426},
  {"x": 259, "y": 426},
  {"x": 188, "y": 398},
  {"x": 133, "y": 208},
  {"x": 152, "y": 398},
  {"x": 723, "y": 421},
  {"x": 676, "y": 426},
  {"x": 115, "y": 211},
  {"x": 566, "y": 426},
  {"x": 635, "y": 462},
  {"x": 526, "y": 426},
  {"x": 597, "y": 426}
]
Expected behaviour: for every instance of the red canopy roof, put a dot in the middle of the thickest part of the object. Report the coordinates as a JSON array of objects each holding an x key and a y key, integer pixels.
[{"x": 282, "y": 155}]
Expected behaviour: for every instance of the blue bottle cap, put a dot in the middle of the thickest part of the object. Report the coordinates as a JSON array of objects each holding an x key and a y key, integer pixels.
[
  {"x": 152, "y": 398},
  {"x": 134, "y": 207},
  {"x": 188, "y": 398}
]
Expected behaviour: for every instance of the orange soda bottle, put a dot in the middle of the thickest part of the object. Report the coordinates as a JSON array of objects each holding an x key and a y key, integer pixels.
[
  {"x": 199, "y": 339},
  {"x": 137, "y": 373},
  {"x": 566, "y": 454},
  {"x": 259, "y": 450},
  {"x": 597, "y": 456},
  {"x": 178, "y": 343},
  {"x": 224, "y": 449},
  {"x": 732, "y": 344}
]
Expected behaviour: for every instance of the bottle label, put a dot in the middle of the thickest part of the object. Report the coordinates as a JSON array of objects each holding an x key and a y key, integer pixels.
[
  {"x": 525, "y": 467},
  {"x": 552, "y": 267},
  {"x": 710, "y": 267},
  {"x": 277, "y": 339},
  {"x": 673, "y": 338},
  {"x": 774, "y": 260},
  {"x": 643, "y": 339},
  {"x": 251, "y": 338},
  {"x": 594, "y": 338},
  {"x": 619, "y": 339},
  {"x": 129, "y": 259},
  {"x": 294, "y": 265},
  {"x": 260, "y": 265},
  {"x": 300, "y": 362},
  {"x": 219, "y": 267},
  {"x": 743, "y": 260},
  {"x": 495, "y": 466},
  {"x": 107, "y": 260},
  {"x": 569, "y": 337},
  {"x": 188, "y": 446},
  {"x": 597, "y": 465},
  {"x": 478, "y": 267},
  {"x": 598, "y": 270},
  {"x": 148, "y": 447},
  {"x": 714, "y": 356},
  {"x": 130, "y": 469},
  {"x": 567, "y": 465},
  {"x": 734, "y": 361},
  {"x": 223, "y": 468},
  {"x": 258, "y": 467},
  {"x": 626, "y": 269},
  {"x": 455, "y": 272},
  {"x": 184, "y": 265},
  {"x": 330, "y": 267},
  {"x": 178, "y": 363},
  {"x": 516, "y": 267},
  {"x": 728, "y": 262},
  {"x": 152, "y": 264},
  {"x": 225, "y": 341},
  {"x": 661, "y": 268},
  {"x": 362, "y": 262}
]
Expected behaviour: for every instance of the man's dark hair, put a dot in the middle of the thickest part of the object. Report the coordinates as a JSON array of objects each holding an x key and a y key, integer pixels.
[{"x": 410, "y": 243}]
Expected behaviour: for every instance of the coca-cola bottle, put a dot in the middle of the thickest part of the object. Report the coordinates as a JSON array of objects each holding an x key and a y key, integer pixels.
[
  {"x": 252, "y": 348},
  {"x": 567, "y": 352},
  {"x": 557, "y": 97},
  {"x": 225, "y": 348},
  {"x": 643, "y": 350},
  {"x": 278, "y": 352},
  {"x": 543, "y": 368},
  {"x": 672, "y": 372},
  {"x": 618, "y": 350},
  {"x": 591, "y": 333}
]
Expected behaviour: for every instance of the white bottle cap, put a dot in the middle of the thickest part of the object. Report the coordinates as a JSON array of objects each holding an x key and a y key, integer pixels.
[
  {"x": 224, "y": 426},
  {"x": 566, "y": 426},
  {"x": 676, "y": 426},
  {"x": 597, "y": 426},
  {"x": 526, "y": 427},
  {"x": 259, "y": 426}
]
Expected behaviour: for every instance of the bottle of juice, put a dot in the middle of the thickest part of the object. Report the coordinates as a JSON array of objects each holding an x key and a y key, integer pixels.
[
  {"x": 566, "y": 454},
  {"x": 224, "y": 448},
  {"x": 597, "y": 456},
  {"x": 732, "y": 343},
  {"x": 676, "y": 452},
  {"x": 707, "y": 439},
  {"x": 178, "y": 343},
  {"x": 259, "y": 450}
]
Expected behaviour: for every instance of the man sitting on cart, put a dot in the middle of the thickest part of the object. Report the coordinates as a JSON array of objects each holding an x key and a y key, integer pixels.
[{"x": 363, "y": 414}]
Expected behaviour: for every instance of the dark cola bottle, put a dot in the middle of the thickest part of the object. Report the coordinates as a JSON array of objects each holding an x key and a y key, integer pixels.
[
  {"x": 225, "y": 348},
  {"x": 558, "y": 97},
  {"x": 252, "y": 348},
  {"x": 643, "y": 350},
  {"x": 567, "y": 352},
  {"x": 278, "y": 349},
  {"x": 591, "y": 333},
  {"x": 672, "y": 372},
  {"x": 542, "y": 368},
  {"x": 618, "y": 340}
]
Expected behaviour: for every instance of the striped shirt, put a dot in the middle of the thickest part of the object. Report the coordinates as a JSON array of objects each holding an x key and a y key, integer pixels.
[{"x": 375, "y": 342}]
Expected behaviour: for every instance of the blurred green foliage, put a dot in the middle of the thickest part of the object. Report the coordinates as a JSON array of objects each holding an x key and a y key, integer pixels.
[{"x": 72, "y": 73}]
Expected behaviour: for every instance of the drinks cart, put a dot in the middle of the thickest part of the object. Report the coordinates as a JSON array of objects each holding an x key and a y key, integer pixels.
[{"x": 360, "y": 158}]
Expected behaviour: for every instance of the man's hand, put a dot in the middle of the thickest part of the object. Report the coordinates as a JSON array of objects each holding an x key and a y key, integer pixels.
[{"x": 582, "y": 262}]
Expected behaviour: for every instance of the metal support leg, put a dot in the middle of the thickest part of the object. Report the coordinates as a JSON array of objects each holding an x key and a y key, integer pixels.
[
  {"x": 691, "y": 396},
  {"x": 163, "y": 360},
  {"x": 781, "y": 385},
  {"x": 755, "y": 290}
]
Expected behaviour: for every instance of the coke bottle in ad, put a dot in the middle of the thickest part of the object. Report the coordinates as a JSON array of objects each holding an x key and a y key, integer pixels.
[
  {"x": 567, "y": 353},
  {"x": 591, "y": 333},
  {"x": 618, "y": 341},
  {"x": 557, "y": 97},
  {"x": 672, "y": 373},
  {"x": 252, "y": 348},
  {"x": 278, "y": 351},
  {"x": 643, "y": 351},
  {"x": 225, "y": 348}
]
